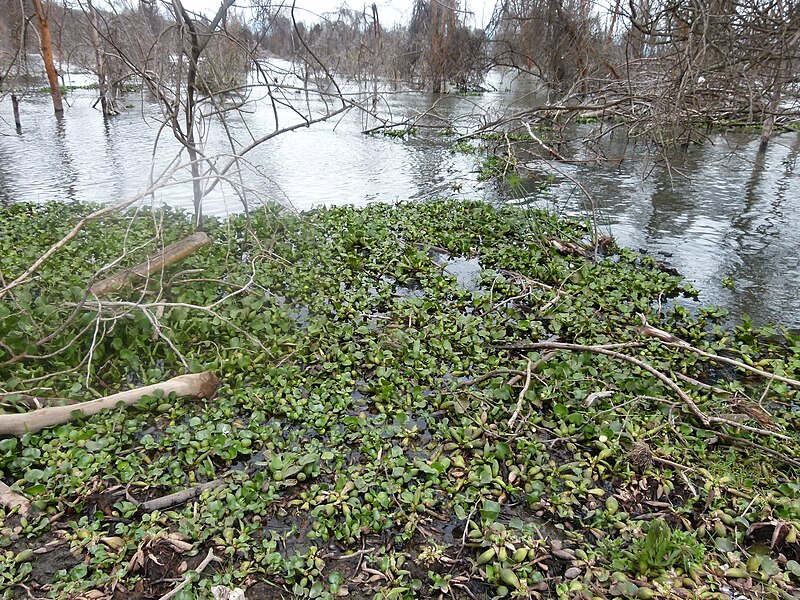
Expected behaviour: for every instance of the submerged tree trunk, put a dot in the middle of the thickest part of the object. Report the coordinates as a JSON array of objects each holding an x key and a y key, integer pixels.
[
  {"x": 47, "y": 57},
  {"x": 15, "y": 105},
  {"x": 769, "y": 121},
  {"x": 107, "y": 102}
]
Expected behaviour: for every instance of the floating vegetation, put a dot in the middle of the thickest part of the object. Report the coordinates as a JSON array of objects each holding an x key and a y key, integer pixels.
[
  {"x": 508, "y": 136},
  {"x": 425, "y": 400},
  {"x": 463, "y": 147},
  {"x": 495, "y": 166},
  {"x": 397, "y": 133},
  {"x": 65, "y": 89}
]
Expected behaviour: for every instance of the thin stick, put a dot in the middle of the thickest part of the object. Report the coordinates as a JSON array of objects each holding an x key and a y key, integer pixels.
[
  {"x": 188, "y": 579},
  {"x": 705, "y": 419},
  {"x": 488, "y": 375},
  {"x": 522, "y": 393}
]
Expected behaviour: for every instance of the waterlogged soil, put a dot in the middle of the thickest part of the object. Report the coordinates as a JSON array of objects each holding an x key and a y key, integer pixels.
[{"x": 395, "y": 417}]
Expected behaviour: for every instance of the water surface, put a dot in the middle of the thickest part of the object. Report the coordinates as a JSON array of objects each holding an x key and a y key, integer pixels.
[{"x": 723, "y": 214}]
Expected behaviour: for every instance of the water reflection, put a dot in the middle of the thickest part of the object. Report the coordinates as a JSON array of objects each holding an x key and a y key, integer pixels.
[
  {"x": 723, "y": 212},
  {"x": 69, "y": 175}
]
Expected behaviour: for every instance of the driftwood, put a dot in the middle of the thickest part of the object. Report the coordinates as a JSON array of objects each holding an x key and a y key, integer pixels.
[
  {"x": 177, "y": 498},
  {"x": 34, "y": 402},
  {"x": 169, "y": 255},
  {"x": 201, "y": 385},
  {"x": 11, "y": 499}
]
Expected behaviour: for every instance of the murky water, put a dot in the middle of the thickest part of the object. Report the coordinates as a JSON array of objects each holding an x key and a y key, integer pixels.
[
  {"x": 727, "y": 218},
  {"x": 723, "y": 215}
]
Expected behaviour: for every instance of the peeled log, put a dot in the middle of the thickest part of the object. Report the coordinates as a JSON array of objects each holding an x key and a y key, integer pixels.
[
  {"x": 11, "y": 499},
  {"x": 169, "y": 255},
  {"x": 200, "y": 385}
]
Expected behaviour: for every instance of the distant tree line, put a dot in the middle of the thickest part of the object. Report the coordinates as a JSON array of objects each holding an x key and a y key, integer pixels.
[{"x": 665, "y": 67}]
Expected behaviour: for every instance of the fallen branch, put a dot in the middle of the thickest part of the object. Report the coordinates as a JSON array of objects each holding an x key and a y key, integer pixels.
[
  {"x": 11, "y": 499},
  {"x": 734, "y": 363},
  {"x": 188, "y": 577},
  {"x": 748, "y": 444},
  {"x": 34, "y": 402},
  {"x": 538, "y": 140},
  {"x": 522, "y": 393},
  {"x": 705, "y": 419},
  {"x": 154, "y": 264},
  {"x": 569, "y": 248},
  {"x": 94, "y": 216},
  {"x": 177, "y": 498},
  {"x": 675, "y": 342},
  {"x": 200, "y": 385}
]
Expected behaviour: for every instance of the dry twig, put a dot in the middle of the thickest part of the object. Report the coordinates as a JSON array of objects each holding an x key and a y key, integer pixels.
[
  {"x": 210, "y": 557},
  {"x": 705, "y": 419}
]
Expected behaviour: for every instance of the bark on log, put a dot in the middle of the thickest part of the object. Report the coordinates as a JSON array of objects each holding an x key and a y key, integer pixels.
[
  {"x": 179, "y": 497},
  {"x": 169, "y": 255},
  {"x": 11, "y": 499},
  {"x": 201, "y": 385},
  {"x": 35, "y": 402}
]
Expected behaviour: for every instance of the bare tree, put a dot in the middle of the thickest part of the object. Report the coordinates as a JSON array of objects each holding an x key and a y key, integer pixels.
[
  {"x": 665, "y": 71},
  {"x": 206, "y": 72},
  {"x": 441, "y": 50},
  {"x": 108, "y": 100}
]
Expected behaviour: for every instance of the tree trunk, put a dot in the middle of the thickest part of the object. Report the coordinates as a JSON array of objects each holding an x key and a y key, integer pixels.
[
  {"x": 47, "y": 57},
  {"x": 15, "y": 105},
  {"x": 769, "y": 120},
  {"x": 201, "y": 385},
  {"x": 169, "y": 255},
  {"x": 106, "y": 100}
]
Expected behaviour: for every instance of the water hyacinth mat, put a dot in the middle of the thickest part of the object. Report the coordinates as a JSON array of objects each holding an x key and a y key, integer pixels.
[{"x": 438, "y": 399}]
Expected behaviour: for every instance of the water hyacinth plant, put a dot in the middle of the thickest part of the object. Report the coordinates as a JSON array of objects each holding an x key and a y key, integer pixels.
[{"x": 422, "y": 400}]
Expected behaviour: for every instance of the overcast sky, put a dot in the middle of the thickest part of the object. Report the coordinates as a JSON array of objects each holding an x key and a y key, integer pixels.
[{"x": 389, "y": 12}]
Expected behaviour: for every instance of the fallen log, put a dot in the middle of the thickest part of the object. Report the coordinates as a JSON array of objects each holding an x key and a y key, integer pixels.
[
  {"x": 178, "y": 497},
  {"x": 169, "y": 255},
  {"x": 34, "y": 402},
  {"x": 11, "y": 499},
  {"x": 200, "y": 385}
]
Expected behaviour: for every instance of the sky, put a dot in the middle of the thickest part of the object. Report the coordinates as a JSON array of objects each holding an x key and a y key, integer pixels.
[{"x": 389, "y": 12}]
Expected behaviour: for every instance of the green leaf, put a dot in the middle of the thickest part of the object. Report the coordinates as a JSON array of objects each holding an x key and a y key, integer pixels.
[
  {"x": 491, "y": 510},
  {"x": 34, "y": 475}
]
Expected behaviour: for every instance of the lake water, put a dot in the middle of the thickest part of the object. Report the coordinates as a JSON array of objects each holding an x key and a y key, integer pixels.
[{"x": 722, "y": 212}]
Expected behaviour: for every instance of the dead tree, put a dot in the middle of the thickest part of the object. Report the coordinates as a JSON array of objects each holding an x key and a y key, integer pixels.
[
  {"x": 107, "y": 98},
  {"x": 46, "y": 45}
]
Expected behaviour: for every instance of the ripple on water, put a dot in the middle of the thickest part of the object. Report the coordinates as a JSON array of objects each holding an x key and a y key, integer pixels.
[{"x": 723, "y": 212}]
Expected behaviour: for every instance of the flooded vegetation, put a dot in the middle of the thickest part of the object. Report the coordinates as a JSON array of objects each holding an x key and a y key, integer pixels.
[
  {"x": 316, "y": 307},
  {"x": 430, "y": 398},
  {"x": 725, "y": 222}
]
